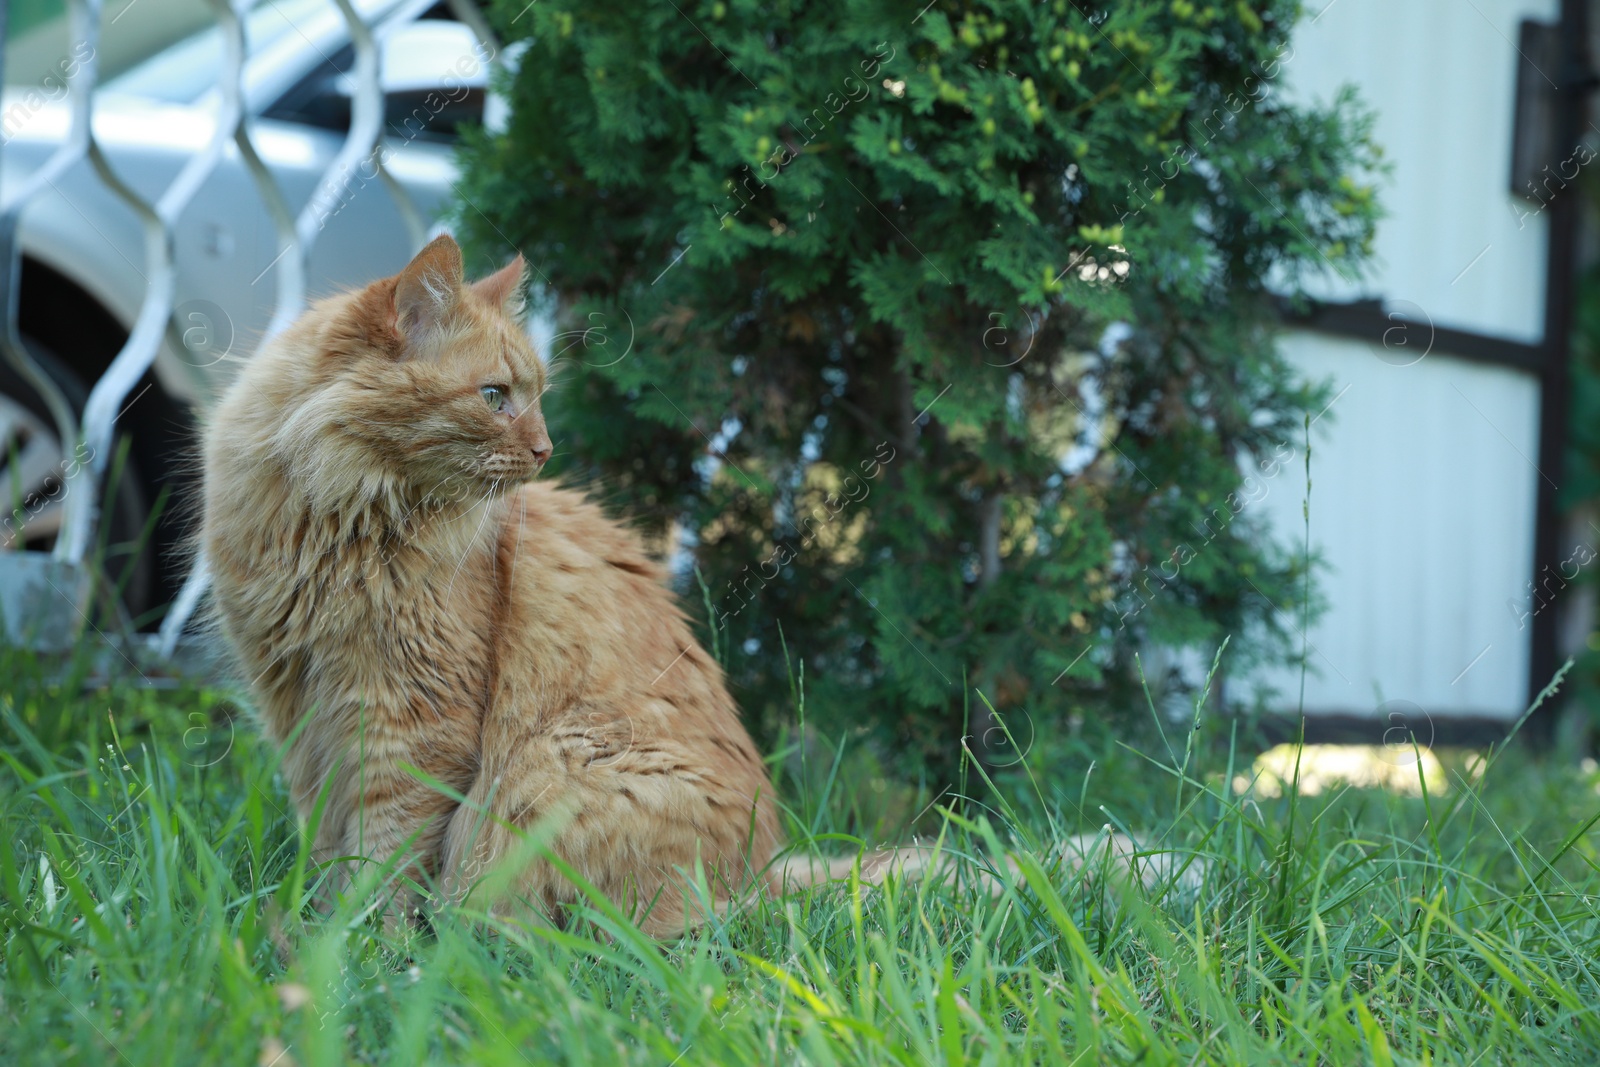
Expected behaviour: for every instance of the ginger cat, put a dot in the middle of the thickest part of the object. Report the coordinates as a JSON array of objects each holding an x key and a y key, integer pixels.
[{"x": 384, "y": 566}]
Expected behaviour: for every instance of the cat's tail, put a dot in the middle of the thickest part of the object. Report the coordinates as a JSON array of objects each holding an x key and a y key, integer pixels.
[{"x": 1114, "y": 856}]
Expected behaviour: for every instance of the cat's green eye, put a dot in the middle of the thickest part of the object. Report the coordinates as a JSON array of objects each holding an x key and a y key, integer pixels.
[{"x": 494, "y": 396}]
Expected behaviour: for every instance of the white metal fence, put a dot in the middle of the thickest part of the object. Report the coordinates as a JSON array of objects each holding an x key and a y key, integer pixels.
[{"x": 297, "y": 221}]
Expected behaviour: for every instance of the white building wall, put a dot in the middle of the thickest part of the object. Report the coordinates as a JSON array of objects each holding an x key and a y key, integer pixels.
[
  {"x": 1423, "y": 488},
  {"x": 1424, "y": 483},
  {"x": 1441, "y": 76}
]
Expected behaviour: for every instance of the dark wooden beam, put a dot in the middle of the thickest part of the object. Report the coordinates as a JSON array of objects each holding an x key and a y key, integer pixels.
[
  {"x": 1366, "y": 320},
  {"x": 1356, "y": 728},
  {"x": 1576, "y": 81}
]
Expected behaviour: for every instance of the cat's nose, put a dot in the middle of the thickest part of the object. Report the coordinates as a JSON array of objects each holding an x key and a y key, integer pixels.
[{"x": 541, "y": 449}]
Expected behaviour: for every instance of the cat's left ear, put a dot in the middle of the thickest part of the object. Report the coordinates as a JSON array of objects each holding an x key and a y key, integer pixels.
[
  {"x": 503, "y": 288},
  {"x": 427, "y": 290}
]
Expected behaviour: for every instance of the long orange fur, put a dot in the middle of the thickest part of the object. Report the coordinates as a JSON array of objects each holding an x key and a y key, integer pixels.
[{"x": 384, "y": 567}]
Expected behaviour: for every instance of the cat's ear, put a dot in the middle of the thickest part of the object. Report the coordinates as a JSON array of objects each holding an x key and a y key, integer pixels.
[
  {"x": 503, "y": 288},
  {"x": 427, "y": 290}
]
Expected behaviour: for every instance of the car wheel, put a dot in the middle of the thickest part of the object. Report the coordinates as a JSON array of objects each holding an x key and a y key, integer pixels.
[{"x": 35, "y": 469}]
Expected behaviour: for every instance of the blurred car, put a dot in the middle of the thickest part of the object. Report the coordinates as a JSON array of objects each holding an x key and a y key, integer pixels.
[{"x": 83, "y": 248}]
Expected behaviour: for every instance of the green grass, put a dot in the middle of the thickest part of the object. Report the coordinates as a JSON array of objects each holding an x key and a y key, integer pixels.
[{"x": 155, "y": 910}]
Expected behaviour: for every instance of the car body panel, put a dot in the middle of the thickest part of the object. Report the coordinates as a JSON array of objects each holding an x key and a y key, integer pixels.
[{"x": 224, "y": 243}]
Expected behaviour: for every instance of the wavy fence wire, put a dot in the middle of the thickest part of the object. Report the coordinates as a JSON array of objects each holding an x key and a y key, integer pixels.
[{"x": 296, "y": 233}]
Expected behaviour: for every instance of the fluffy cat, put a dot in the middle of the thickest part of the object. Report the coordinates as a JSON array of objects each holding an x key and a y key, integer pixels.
[{"x": 401, "y": 593}]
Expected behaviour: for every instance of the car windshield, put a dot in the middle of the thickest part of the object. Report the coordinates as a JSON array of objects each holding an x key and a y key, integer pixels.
[{"x": 182, "y": 73}]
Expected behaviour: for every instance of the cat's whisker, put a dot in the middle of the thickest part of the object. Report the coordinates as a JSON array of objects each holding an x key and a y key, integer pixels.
[
  {"x": 522, "y": 518},
  {"x": 470, "y": 544}
]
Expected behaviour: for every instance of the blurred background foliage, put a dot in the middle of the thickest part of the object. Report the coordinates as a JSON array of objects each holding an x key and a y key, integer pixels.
[
  {"x": 1580, "y": 499},
  {"x": 861, "y": 316}
]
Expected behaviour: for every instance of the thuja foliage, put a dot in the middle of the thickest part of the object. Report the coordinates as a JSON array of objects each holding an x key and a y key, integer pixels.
[
  {"x": 940, "y": 339},
  {"x": 1580, "y": 491}
]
